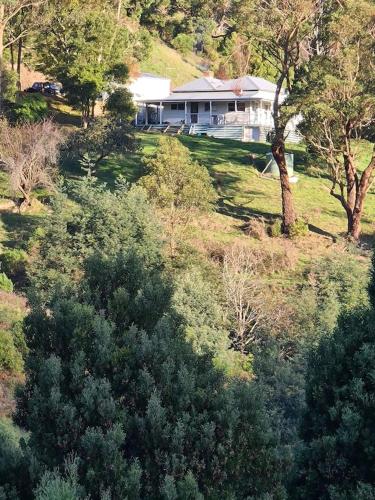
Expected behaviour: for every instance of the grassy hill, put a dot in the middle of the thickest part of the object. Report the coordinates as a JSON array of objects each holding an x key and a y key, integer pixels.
[
  {"x": 244, "y": 193},
  {"x": 167, "y": 62},
  {"x": 243, "y": 196}
]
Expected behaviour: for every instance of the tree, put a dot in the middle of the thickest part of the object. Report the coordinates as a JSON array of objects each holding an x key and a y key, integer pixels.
[
  {"x": 102, "y": 138},
  {"x": 120, "y": 105},
  {"x": 337, "y": 457},
  {"x": 113, "y": 381},
  {"x": 29, "y": 154},
  {"x": 281, "y": 31},
  {"x": 9, "y": 10},
  {"x": 244, "y": 294},
  {"x": 177, "y": 185},
  {"x": 103, "y": 222},
  {"x": 84, "y": 49},
  {"x": 338, "y": 98}
]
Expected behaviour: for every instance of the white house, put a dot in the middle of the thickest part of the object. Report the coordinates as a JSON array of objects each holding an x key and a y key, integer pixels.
[
  {"x": 209, "y": 105},
  {"x": 147, "y": 86}
]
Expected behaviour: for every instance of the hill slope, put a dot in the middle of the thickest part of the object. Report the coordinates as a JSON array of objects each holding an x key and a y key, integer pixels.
[{"x": 167, "y": 62}]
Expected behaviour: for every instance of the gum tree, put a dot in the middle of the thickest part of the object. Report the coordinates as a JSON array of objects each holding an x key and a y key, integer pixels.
[
  {"x": 282, "y": 32},
  {"x": 339, "y": 104}
]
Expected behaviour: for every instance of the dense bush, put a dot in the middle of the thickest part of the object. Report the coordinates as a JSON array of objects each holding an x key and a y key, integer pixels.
[
  {"x": 10, "y": 357},
  {"x": 120, "y": 105},
  {"x": 13, "y": 469},
  {"x": 30, "y": 108},
  {"x": 13, "y": 262},
  {"x": 274, "y": 230},
  {"x": 122, "y": 370},
  {"x": 100, "y": 221},
  {"x": 183, "y": 43},
  {"x": 337, "y": 458},
  {"x": 299, "y": 228},
  {"x": 5, "y": 283}
]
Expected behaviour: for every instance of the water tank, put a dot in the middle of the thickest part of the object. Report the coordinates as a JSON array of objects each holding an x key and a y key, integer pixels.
[{"x": 272, "y": 167}]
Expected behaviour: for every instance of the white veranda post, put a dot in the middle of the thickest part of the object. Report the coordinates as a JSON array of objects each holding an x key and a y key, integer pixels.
[
  {"x": 210, "y": 112},
  {"x": 160, "y": 113},
  {"x": 185, "y": 112}
]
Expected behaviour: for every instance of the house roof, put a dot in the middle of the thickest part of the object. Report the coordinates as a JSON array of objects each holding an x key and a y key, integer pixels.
[
  {"x": 208, "y": 88},
  {"x": 242, "y": 84}
]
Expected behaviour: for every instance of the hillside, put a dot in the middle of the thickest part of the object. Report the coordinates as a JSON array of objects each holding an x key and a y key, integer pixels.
[{"x": 167, "y": 62}]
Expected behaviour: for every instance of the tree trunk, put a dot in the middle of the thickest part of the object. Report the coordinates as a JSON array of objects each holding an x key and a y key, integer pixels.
[
  {"x": 19, "y": 62},
  {"x": 289, "y": 214},
  {"x": 2, "y": 34},
  {"x": 11, "y": 48},
  {"x": 356, "y": 194}
]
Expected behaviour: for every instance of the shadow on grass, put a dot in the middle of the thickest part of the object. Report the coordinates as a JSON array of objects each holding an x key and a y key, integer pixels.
[
  {"x": 19, "y": 228},
  {"x": 242, "y": 212},
  {"x": 322, "y": 232}
]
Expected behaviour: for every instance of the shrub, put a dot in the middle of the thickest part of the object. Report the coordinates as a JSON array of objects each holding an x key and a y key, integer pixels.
[
  {"x": 183, "y": 43},
  {"x": 13, "y": 470},
  {"x": 274, "y": 229},
  {"x": 256, "y": 228},
  {"x": 299, "y": 228},
  {"x": 13, "y": 262},
  {"x": 120, "y": 105},
  {"x": 10, "y": 358},
  {"x": 30, "y": 109},
  {"x": 5, "y": 283}
]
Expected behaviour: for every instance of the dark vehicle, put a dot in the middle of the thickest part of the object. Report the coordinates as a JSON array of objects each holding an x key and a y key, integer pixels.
[
  {"x": 48, "y": 88},
  {"x": 52, "y": 88},
  {"x": 36, "y": 87}
]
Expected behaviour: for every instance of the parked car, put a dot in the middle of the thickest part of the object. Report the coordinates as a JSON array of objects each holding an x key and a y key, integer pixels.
[
  {"x": 48, "y": 88},
  {"x": 36, "y": 87},
  {"x": 52, "y": 88}
]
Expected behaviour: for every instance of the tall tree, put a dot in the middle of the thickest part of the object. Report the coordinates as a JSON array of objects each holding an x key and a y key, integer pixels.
[
  {"x": 337, "y": 95},
  {"x": 84, "y": 49},
  {"x": 281, "y": 31},
  {"x": 29, "y": 154},
  {"x": 337, "y": 456},
  {"x": 9, "y": 10}
]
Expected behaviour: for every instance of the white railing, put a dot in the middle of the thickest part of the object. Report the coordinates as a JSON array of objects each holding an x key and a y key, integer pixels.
[{"x": 231, "y": 118}]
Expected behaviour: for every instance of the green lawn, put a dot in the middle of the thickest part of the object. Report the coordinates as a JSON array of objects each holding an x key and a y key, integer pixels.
[{"x": 244, "y": 192}]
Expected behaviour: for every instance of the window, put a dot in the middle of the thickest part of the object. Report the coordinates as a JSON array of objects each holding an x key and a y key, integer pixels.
[
  {"x": 207, "y": 106},
  {"x": 231, "y": 106},
  {"x": 178, "y": 106},
  {"x": 241, "y": 106}
]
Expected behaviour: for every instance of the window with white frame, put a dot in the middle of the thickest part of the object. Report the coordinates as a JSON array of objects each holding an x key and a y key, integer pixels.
[
  {"x": 231, "y": 106},
  {"x": 241, "y": 106},
  {"x": 207, "y": 106}
]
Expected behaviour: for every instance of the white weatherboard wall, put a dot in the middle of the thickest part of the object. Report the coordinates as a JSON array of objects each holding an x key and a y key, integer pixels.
[{"x": 147, "y": 86}]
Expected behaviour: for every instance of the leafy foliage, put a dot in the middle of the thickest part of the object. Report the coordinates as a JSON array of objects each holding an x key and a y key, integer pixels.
[
  {"x": 5, "y": 283},
  {"x": 121, "y": 370},
  {"x": 120, "y": 105},
  {"x": 336, "y": 461},
  {"x": 177, "y": 184},
  {"x": 100, "y": 221},
  {"x": 29, "y": 108},
  {"x": 183, "y": 43},
  {"x": 13, "y": 262},
  {"x": 103, "y": 137},
  {"x": 84, "y": 53}
]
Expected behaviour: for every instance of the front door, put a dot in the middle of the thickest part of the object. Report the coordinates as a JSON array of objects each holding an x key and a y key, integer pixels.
[{"x": 194, "y": 112}]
